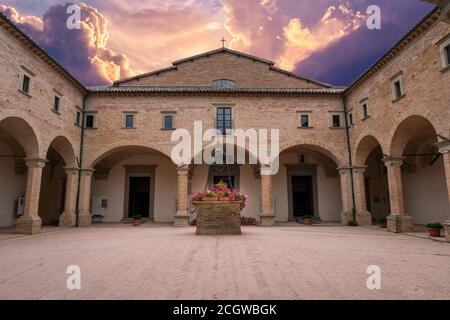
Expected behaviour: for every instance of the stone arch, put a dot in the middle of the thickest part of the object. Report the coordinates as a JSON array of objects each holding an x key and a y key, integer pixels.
[
  {"x": 412, "y": 127},
  {"x": 18, "y": 129},
  {"x": 64, "y": 147},
  {"x": 318, "y": 146},
  {"x": 364, "y": 147},
  {"x": 95, "y": 157}
]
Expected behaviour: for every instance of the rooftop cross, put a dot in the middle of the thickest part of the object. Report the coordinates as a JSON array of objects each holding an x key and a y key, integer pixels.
[{"x": 223, "y": 42}]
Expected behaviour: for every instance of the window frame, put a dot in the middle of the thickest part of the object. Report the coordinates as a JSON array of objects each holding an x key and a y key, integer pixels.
[
  {"x": 444, "y": 49},
  {"x": 22, "y": 86},
  {"x": 25, "y": 72},
  {"x": 86, "y": 120},
  {"x": 56, "y": 103},
  {"x": 308, "y": 122},
  {"x": 339, "y": 117},
  {"x": 398, "y": 89},
  {"x": 224, "y": 84},
  {"x": 351, "y": 120},
  {"x": 365, "y": 110},
  {"x": 133, "y": 121},
  {"x": 171, "y": 114},
  {"x": 78, "y": 118},
  {"x": 224, "y": 128}
]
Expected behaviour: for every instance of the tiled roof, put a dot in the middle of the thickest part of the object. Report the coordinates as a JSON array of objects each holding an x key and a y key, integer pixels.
[{"x": 211, "y": 90}]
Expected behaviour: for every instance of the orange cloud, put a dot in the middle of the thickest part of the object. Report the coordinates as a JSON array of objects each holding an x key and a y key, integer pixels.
[{"x": 301, "y": 41}]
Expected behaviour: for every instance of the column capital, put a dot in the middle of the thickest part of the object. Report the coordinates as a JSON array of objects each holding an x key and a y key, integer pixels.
[
  {"x": 35, "y": 162},
  {"x": 356, "y": 168},
  {"x": 183, "y": 170},
  {"x": 443, "y": 146},
  {"x": 87, "y": 172},
  {"x": 266, "y": 171},
  {"x": 393, "y": 162},
  {"x": 71, "y": 171}
]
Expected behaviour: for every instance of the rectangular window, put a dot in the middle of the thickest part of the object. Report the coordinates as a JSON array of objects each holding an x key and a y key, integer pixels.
[
  {"x": 168, "y": 122},
  {"x": 78, "y": 118},
  {"x": 365, "y": 110},
  {"x": 89, "y": 121},
  {"x": 447, "y": 54},
  {"x": 224, "y": 119},
  {"x": 304, "y": 121},
  {"x": 129, "y": 121},
  {"x": 398, "y": 89},
  {"x": 336, "y": 121},
  {"x": 56, "y": 103},
  {"x": 350, "y": 119},
  {"x": 26, "y": 84}
]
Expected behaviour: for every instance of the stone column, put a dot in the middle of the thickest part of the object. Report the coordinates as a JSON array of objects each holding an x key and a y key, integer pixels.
[
  {"x": 30, "y": 222},
  {"x": 84, "y": 217},
  {"x": 444, "y": 148},
  {"x": 267, "y": 215},
  {"x": 346, "y": 195},
  {"x": 363, "y": 217},
  {"x": 181, "y": 218},
  {"x": 398, "y": 221},
  {"x": 68, "y": 218}
]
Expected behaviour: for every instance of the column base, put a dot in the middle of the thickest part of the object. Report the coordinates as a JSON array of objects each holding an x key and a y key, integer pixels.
[
  {"x": 67, "y": 220},
  {"x": 267, "y": 220},
  {"x": 346, "y": 217},
  {"x": 29, "y": 225},
  {"x": 181, "y": 220},
  {"x": 447, "y": 230},
  {"x": 84, "y": 220},
  {"x": 364, "y": 218},
  {"x": 400, "y": 223}
]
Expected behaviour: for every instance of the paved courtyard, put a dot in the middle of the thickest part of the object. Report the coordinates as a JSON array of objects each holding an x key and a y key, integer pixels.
[{"x": 285, "y": 262}]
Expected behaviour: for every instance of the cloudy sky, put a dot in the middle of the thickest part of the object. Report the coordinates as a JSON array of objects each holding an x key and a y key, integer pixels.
[{"x": 327, "y": 40}]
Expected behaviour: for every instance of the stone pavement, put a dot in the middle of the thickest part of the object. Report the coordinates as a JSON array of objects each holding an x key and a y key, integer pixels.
[{"x": 289, "y": 261}]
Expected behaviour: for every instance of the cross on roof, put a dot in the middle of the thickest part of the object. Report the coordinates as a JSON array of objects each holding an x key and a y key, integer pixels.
[{"x": 223, "y": 42}]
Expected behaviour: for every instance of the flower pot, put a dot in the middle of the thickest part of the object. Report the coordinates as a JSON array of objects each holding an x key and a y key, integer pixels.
[
  {"x": 136, "y": 223},
  {"x": 434, "y": 233},
  {"x": 383, "y": 225},
  {"x": 210, "y": 198},
  {"x": 224, "y": 198},
  {"x": 307, "y": 222}
]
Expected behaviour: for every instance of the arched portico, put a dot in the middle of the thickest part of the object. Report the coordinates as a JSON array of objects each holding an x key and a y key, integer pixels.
[
  {"x": 417, "y": 175},
  {"x": 21, "y": 170},
  {"x": 125, "y": 180}
]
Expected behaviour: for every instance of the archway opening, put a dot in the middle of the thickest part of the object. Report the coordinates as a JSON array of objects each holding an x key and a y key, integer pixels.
[
  {"x": 17, "y": 142},
  {"x": 308, "y": 183},
  {"x": 134, "y": 180},
  {"x": 370, "y": 154},
  {"x": 423, "y": 174}
]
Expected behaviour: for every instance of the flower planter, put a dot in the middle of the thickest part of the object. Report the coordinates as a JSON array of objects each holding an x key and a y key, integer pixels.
[
  {"x": 307, "y": 222},
  {"x": 136, "y": 223},
  {"x": 383, "y": 226},
  {"x": 210, "y": 198},
  {"x": 224, "y": 198},
  {"x": 434, "y": 233},
  {"x": 218, "y": 217}
]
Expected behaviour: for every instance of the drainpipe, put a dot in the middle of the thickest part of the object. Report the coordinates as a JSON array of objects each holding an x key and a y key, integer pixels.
[
  {"x": 350, "y": 160},
  {"x": 80, "y": 163}
]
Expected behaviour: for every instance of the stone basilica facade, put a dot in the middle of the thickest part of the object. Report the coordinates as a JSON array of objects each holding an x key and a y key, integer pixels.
[{"x": 379, "y": 149}]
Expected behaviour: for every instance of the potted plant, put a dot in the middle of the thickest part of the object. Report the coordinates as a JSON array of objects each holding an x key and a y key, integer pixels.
[
  {"x": 224, "y": 196},
  {"x": 210, "y": 196},
  {"x": 352, "y": 223},
  {"x": 307, "y": 220},
  {"x": 434, "y": 229},
  {"x": 137, "y": 220}
]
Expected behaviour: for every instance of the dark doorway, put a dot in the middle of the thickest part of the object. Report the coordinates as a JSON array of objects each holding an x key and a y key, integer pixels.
[
  {"x": 302, "y": 196},
  {"x": 139, "y": 199}
]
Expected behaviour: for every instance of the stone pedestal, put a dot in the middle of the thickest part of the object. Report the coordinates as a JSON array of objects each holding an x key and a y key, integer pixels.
[
  {"x": 181, "y": 220},
  {"x": 364, "y": 218},
  {"x": 346, "y": 217},
  {"x": 29, "y": 224},
  {"x": 218, "y": 217},
  {"x": 447, "y": 230},
  {"x": 84, "y": 219},
  {"x": 400, "y": 223},
  {"x": 267, "y": 220},
  {"x": 67, "y": 220}
]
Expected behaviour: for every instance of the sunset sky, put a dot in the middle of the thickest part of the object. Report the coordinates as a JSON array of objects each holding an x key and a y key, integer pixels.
[{"x": 322, "y": 39}]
